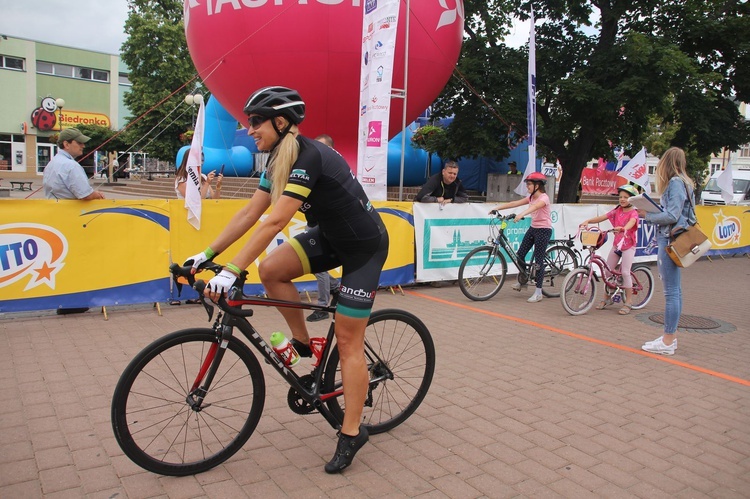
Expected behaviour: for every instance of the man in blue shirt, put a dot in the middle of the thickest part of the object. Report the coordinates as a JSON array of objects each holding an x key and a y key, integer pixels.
[{"x": 63, "y": 177}]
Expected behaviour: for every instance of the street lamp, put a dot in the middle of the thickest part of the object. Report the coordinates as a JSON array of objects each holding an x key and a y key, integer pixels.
[
  {"x": 192, "y": 100},
  {"x": 60, "y": 103}
]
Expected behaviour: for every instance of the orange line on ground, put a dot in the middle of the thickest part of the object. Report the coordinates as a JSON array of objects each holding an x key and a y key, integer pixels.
[{"x": 662, "y": 358}]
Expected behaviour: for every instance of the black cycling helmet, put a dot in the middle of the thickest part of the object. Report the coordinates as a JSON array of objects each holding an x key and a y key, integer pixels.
[
  {"x": 276, "y": 101},
  {"x": 536, "y": 177}
]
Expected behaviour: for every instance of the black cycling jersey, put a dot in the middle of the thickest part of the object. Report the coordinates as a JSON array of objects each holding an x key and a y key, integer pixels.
[{"x": 330, "y": 193}]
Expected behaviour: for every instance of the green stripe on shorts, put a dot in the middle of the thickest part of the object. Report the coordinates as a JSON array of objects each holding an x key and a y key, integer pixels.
[{"x": 356, "y": 313}]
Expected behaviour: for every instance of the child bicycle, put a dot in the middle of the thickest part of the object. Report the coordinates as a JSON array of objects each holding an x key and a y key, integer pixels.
[
  {"x": 191, "y": 399},
  {"x": 483, "y": 270},
  {"x": 581, "y": 285}
]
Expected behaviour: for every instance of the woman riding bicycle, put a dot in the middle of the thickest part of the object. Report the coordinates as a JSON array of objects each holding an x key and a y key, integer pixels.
[
  {"x": 308, "y": 176},
  {"x": 624, "y": 220},
  {"x": 540, "y": 231}
]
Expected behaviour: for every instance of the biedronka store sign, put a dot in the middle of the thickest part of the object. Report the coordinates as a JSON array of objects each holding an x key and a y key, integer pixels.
[{"x": 74, "y": 118}]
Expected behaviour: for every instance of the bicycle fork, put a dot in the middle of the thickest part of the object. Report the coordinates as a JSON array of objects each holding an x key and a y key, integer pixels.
[{"x": 208, "y": 369}]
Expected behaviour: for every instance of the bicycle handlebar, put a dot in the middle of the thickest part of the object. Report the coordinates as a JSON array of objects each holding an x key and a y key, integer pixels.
[
  {"x": 199, "y": 285},
  {"x": 497, "y": 214}
]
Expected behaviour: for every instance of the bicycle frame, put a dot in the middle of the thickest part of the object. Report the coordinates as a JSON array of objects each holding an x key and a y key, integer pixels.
[
  {"x": 234, "y": 316},
  {"x": 606, "y": 273},
  {"x": 227, "y": 322}
]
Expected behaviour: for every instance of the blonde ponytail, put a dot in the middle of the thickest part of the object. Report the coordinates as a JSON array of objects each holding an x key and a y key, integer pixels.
[{"x": 281, "y": 161}]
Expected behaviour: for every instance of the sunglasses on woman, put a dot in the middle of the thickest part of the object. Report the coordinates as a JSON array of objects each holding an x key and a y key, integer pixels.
[{"x": 257, "y": 120}]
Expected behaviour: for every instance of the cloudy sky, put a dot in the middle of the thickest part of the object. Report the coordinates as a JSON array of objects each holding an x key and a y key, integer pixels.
[
  {"x": 98, "y": 24},
  {"x": 87, "y": 24}
]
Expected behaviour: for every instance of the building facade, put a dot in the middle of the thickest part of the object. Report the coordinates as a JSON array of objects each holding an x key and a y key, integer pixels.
[{"x": 47, "y": 88}]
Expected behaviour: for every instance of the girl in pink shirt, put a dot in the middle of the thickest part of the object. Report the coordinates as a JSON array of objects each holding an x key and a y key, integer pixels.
[
  {"x": 624, "y": 220},
  {"x": 540, "y": 232}
]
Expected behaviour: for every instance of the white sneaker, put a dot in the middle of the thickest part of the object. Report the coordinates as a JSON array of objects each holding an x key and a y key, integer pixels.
[
  {"x": 658, "y": 346},
  {"x": 518, "y": 286},
  {"x": 535, "y": 298},
  {"x": 661, "y": 338}
]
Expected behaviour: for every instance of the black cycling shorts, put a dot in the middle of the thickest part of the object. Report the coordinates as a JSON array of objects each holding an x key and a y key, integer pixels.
[{"x": 361, "y": 263}]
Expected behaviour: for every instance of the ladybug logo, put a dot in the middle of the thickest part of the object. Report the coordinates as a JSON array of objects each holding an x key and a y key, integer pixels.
[{"x": 44, "y": 117}]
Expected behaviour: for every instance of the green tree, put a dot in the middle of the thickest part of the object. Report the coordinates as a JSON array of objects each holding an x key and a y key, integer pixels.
[
  {"x": 157, "y": 56},
  {"x": 602, "y": 84}
]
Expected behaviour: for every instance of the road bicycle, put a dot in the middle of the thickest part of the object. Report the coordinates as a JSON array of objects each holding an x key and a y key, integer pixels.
[
  {"x": 482, "y": 271},
  {"x": 191, "y": 399},
  {"x": 581, "y": 285}
]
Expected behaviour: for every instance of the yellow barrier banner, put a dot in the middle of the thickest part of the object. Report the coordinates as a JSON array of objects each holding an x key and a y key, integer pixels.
[
  {"x": 185, "y": 241},
  {"x": 724, "y": 226},
  {"x": 63, "y": 254}
]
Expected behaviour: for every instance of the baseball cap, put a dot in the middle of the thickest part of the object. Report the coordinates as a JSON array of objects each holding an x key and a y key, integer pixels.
[
  {"x": 72, "y": 134},
  {"x": 512, "y": 163}
]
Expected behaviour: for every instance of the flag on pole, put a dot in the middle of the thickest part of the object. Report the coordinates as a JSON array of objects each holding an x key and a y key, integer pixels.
[
  {"x": 193, "y": 181},
  {"x": 725, "y": 182},
  {"x": 636, "y": 171},
  {"x": 620, "y": 156},
  {"x": 530, "y": 110}
]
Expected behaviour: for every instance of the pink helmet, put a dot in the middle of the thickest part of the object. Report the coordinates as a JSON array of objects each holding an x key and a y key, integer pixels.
[{"x": 536, "y": 177}]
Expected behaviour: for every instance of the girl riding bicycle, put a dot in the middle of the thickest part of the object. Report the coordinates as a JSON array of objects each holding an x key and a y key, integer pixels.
[
  {"x": 540, "y": 231},
  {"x": 306, "y": 175},
  {"x": 624, "y": 220}
]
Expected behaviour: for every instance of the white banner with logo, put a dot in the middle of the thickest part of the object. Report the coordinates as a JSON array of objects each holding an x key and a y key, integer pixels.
[{"x": 378, "y": 50}]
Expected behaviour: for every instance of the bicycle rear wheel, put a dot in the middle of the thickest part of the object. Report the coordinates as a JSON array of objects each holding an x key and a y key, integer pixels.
[
  {"x": 643, "y": 286},
  {"x": 482, "y": 273},
  {"x": 399, "y": 351},
  {"x": 155, "y": 425},
  {"x": 560, "y": 261},
  {"x": 578, "y": 291}
]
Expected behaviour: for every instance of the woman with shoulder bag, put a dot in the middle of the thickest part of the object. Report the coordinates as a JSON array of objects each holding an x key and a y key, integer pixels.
[{"x": 674, "y": 185}]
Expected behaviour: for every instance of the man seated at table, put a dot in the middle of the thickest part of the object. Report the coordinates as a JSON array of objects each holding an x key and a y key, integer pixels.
[{"x": 443, "y": 187}]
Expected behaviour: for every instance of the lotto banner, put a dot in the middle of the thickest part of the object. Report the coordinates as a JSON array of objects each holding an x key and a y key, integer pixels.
[
  {"x": 379, "y": 23},
  {"x": 728, "y": 228},
  {"x": 186, "y": 241},
  {"x": 63, "y": 254}
]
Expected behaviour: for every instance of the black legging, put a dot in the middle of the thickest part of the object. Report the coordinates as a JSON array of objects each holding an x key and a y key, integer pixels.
[{"x": 539, "y": 238}]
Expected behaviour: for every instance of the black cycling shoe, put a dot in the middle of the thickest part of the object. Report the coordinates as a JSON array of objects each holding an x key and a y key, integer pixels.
[
  {"x": 346, "y": 449},
  {"x": 302, "y": 349}
]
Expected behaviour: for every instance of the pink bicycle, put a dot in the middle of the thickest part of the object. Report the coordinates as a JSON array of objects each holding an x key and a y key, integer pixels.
[{"x": 581, "y": 285}]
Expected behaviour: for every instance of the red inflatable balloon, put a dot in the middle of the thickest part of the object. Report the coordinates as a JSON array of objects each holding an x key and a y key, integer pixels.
[{"x": 314, "y": 46}]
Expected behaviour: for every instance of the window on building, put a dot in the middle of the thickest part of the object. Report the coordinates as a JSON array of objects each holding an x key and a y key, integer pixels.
[
  {"x": 14, "y": 63},
  {"x": 123, "y": 79},
  {"x": 51, "y": 68},
  {"x": 64, "y": 70},
  {"x": 745, "y": 151},
  {"x": 45, "y": 68}
]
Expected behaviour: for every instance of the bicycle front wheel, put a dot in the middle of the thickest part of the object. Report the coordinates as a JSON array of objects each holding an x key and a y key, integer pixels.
[
  {"x": 400, "y": 358},
  {"x": 578, "y": 291},
  {"x": 643, "y": 286},
  {"x": 482, "y": 273},
  {"x": 155, "y": 425},
  {"x": 559, "y": 262}
]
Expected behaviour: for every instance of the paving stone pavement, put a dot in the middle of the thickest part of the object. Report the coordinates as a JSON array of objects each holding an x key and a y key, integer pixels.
[{"x": 527, "y": 401}]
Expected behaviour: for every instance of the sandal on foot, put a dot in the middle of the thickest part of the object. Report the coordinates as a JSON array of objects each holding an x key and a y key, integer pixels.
[
  {"x": 602, "y": 304},
  {"x": 175, "y": 302},
  {"x": 625, "y": 310}
]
